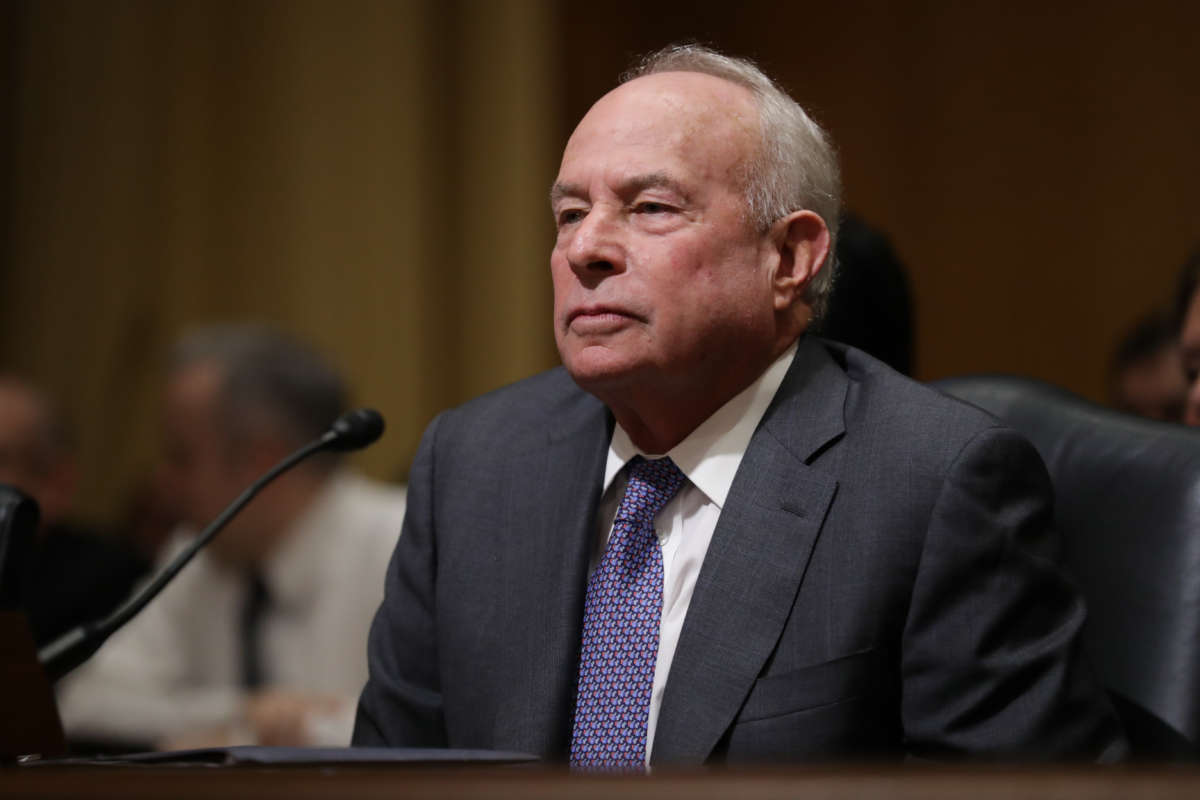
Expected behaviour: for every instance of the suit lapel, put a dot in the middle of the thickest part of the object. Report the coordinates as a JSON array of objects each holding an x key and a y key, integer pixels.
[
  {"x": 554, "y": 490},
  {"x": 757, "y": 558}
]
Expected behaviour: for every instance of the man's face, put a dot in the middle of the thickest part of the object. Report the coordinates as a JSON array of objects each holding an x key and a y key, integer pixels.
[
  {"x": 25, "y": 461},
  {"x": 1189, "y": 344},
  {"x": 201, "y": 471},
  {"x": 19, "y": 421},
  {"x": 659, "y": 275}
]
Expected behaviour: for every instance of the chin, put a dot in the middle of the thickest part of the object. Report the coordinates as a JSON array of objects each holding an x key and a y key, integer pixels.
[{"x": 600, "y": 372}]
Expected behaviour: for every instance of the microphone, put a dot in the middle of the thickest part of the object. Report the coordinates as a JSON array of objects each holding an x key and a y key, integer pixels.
[{"x": 353, "y": 430}]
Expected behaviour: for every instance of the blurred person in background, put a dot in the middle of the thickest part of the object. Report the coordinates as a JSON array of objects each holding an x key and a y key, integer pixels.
[
  {"x": 1146, "y": 373},
  {"x": 262, "y": 638},
  {"x": 1187, "y": 318},
  {"x": 870, "y": 303},
  {"x": 74, "y": 575}
]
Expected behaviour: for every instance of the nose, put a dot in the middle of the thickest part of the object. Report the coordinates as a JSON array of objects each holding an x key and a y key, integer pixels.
[{"x": 596, "y": 246}]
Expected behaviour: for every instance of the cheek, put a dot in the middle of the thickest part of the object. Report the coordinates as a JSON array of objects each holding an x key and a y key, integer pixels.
[
  {"x": 559, "y": 271},
  {"x": 737, "y": 288},
  {"x": 561, "y": 277}
]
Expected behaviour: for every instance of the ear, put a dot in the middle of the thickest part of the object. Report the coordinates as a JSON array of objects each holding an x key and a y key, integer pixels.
[{"x": 801, "y": 240}]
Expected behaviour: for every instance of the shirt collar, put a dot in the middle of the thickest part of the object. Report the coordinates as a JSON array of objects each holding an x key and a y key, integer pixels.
[{"x": 711, "y": 454}]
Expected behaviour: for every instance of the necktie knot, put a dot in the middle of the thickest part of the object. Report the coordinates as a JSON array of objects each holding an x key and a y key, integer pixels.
[{"x": 651, "y": 486}]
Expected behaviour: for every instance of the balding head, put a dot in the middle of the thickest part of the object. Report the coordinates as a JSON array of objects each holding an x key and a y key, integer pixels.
[{"x": 794, "y": 164}]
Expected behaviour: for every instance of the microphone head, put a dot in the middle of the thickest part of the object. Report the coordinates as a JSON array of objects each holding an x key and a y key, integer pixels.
[{"x": 355, "y": 429}]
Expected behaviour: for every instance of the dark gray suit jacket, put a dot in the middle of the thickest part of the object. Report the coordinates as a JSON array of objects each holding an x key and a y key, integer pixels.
[{"x": 882, "y": 581}]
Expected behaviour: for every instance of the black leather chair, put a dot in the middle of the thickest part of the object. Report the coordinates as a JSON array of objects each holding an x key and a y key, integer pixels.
[{"x": 1127, "y": 504}]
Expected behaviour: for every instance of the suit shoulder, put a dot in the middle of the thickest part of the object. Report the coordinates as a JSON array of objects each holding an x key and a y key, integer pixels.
[
  {"x": 520, "y": 410},
  {"x": 900, "y": 433},
  {"x": 531, "y": 398},
  {"x": 913, "y": 416}
]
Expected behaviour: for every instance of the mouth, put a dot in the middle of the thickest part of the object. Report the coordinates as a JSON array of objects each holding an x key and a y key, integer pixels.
[{"x": 599, "y": 318}]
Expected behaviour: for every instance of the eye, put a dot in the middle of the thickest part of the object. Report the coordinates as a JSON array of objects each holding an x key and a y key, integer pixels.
[
  {"x": 651, "y": 207},
  {"x": 569, "y": 216}
]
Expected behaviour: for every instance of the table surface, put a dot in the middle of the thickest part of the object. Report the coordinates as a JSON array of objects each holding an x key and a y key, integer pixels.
[{"x": 398, "y": 782}]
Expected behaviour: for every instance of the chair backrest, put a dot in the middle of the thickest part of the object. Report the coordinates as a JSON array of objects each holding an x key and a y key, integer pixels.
[{"x": 1127, "y": 505}]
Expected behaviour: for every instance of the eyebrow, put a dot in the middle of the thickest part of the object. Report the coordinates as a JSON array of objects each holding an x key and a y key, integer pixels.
[
  {"x": 560, "y": 190},
  {"x": 629, "y": 186}
]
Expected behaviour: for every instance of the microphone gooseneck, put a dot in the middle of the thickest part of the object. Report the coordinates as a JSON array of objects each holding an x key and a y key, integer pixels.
[{"x": 353, "y": 430}]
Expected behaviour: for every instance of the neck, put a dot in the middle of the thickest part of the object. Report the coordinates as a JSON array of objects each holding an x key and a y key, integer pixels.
[
  {"x": 656, "y": 433},
  {"x": 659, "y": 416},
  {"x": 281, "y": 505},
  {"x": 298, "y": 491}
]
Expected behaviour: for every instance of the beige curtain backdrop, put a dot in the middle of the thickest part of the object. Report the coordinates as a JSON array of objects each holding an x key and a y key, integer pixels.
[{"x": 369, "y": 175}]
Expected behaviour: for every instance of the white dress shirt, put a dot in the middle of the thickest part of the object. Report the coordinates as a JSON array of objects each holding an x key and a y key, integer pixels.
[
  {"x": 176, "y": 667},
  {"x": 709, "y": 457}
]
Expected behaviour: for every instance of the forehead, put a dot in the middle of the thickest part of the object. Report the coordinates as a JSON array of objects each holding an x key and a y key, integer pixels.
[{"x": 667, "y": 122}]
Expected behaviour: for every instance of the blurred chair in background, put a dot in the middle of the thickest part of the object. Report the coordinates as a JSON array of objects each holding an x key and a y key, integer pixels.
[
  {"x": 1145, "y": 374},
  {"x": 72, "y": 574},
  {"x": 1127, "y": 504},
  {"x": 262, "y": 638}
]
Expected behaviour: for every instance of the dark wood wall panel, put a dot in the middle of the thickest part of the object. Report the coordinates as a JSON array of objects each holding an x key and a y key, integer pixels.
[{"x": 1036, "y": 167}]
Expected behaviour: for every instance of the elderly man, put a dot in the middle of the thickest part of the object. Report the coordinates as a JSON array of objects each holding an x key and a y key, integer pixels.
[
  {"x": 713, "y": 538},
  {"x": 261, "y": 639}
]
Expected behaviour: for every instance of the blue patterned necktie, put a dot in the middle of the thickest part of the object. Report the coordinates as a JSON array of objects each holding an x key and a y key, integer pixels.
[{"x": 621, "y": 618}]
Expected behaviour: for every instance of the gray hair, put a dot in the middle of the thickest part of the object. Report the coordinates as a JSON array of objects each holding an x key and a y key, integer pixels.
[
  {"x": 796, "y": 167},
  {"x": 271, "y": 382}
]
